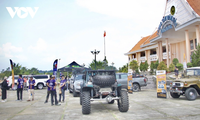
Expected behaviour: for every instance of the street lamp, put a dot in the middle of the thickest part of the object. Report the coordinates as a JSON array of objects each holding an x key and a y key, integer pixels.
[
  {"x": 112, "y": 65},
  {"x": 95, "y": 53}
]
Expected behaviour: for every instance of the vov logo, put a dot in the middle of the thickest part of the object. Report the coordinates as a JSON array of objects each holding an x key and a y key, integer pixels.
[{"x": 19, "y": 10}]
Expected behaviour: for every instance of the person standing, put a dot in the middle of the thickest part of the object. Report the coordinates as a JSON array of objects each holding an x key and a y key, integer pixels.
[
  {"x": 176, "y": 72},
  {"x": 31, "y": 88},
  {"x": 4, "y": 87},
  {"x": 52, "y": 85},
  {"x": 48, "y": 90},
  {"x": 62, "y": 85},
  {"x": 20, "y": 85},
  {"x": 25, "y": 82}
]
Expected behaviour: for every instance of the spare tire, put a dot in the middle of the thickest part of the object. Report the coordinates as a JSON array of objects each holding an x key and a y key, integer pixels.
[{"x": 104, "y": 80}]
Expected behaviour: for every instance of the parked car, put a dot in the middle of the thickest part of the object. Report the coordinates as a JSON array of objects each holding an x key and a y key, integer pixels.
[
  {"x": 75, "y": 84},
  {"x": 137, "y": 81},
  {"x": 40, "y": 80},
  {"x": 188, "y": 85}
]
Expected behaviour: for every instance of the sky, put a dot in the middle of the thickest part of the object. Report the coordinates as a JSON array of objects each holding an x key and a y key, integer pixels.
[{"x": 42, "y": 31}]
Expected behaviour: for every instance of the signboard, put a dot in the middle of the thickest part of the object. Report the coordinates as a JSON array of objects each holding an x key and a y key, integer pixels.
[
  {"x": 161, "y": 84},
  {"x": 129, "y": 82}
]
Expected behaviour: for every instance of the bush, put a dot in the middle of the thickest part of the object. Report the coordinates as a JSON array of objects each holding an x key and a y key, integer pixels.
[
  {"x": 146, "y": 66},
  {"x": 189, "y": 64},
  {"x": 171, "y": 67},
  {"x": 179, "y": 66},
  {"x": 133, "y": 65},
  {"x": 175, "y": 61},
  {"x": 142, "y": 66},
  {"x": 196, "y": 57},
  {"x": 162, "y": 66},
  {"x": 156, "y": 64}
]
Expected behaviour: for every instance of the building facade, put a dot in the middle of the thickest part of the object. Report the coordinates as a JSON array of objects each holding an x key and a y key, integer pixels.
[{"x": 177, "y": 35}]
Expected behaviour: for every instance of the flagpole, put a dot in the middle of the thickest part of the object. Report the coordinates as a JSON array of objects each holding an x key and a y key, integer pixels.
[{"x": 104, "y": 48}]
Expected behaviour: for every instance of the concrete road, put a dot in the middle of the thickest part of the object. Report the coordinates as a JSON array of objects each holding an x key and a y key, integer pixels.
[{"x": 144, "y": 105}]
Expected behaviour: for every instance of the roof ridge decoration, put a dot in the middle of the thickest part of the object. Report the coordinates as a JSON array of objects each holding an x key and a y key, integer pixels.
[
  {"x": 167, "y": 23},
  {"x": 149, "y": 36}
]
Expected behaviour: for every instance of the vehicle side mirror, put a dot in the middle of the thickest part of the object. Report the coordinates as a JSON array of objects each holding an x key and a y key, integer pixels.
[{"x": 83, "y": 77}]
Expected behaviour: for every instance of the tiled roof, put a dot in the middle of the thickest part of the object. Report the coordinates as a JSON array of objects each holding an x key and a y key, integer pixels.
[
  {"x": 195, "y": 4},
  {"x": 143, "y": 41}
]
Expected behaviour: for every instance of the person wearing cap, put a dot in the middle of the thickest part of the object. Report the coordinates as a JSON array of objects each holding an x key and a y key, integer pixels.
[
  {"x": 31, "y": 88},
  {"x": 20, "y": 85},
  {"x": 62, "y": 85},
  {"x": 4, "y": 87},
  {"x": 52, "y": 85},
  {"x": 48, "y": 90}
]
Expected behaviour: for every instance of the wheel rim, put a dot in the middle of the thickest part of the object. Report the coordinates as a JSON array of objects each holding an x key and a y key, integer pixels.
[
  {"x": 40, "y": 86},
  {"x": 135, "y": 87},
  {"x": 191, "y": 94}
]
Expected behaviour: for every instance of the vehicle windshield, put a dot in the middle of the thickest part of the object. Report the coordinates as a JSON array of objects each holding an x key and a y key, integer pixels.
[
  {"x": 78, "y": 77},
  {"x": 193, "y": 72}
]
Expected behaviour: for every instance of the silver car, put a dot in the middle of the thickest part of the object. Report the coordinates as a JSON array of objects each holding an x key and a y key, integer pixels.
[
  {"x": 137, "y": 81},
  {"x": 75, "y": 84}
]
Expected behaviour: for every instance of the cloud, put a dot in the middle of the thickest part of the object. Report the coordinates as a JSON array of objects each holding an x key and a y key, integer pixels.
[
  {"x": 8, "y": 50},
  {"x": 41, "y": 45}
]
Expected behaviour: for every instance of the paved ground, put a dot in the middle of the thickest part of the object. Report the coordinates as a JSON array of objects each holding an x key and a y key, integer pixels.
[{"x": 143, "y": 106}]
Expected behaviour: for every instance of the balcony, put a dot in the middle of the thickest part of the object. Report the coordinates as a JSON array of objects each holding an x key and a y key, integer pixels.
[
  {"x": 153, "y": 57},
  {"x": 143, "y": 59},
  {"x": 165, "y": 55}
]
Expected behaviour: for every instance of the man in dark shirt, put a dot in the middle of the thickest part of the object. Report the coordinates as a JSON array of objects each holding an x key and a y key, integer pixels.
[
  {"x": 48, "y": 90},
  {"x": 20, "y": 86},
  {"x": 52, "y": 85},
  {"x": 176, "y": 72},
  {"x": 31, "y": 88}
]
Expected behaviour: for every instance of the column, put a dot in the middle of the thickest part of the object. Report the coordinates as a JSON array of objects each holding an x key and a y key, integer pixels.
[
  {"x": 167, "y": 51},
  {"x": 161, "y": 52},
  {"x": 197, "y": 34},
  {"x": 170, "y": 53},
  {"x": 157, "y": 52},
  {"x": 187, "y": 46}
]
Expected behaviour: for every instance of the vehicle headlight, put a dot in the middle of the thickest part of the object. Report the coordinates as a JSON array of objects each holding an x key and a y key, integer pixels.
[
  {"x": 181, "y": 84},
  {"x": 78, "y": 83}
]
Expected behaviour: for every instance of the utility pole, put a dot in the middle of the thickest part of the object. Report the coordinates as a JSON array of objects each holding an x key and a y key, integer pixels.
[{"x": 95, "y": 53}]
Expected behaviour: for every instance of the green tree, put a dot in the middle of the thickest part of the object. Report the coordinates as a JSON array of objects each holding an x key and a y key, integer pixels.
[
  {"x": 171, "y": 67},
  {"x": 196, "y": 57},
  {"x": 99, "y": 65},
  {"x": 179, "y": 66},
  {"x": 175, "y": 61},
  {"x": 34, "y": 71},
  {"x": 142, "y": 67},
  {"x": 162, "y": 66},
  {"x": 146, "y": 66},
  {"x": 189, "y": 64},
  {"x": 124, "y": 69},
  {"x": 17, "y": 68},
  {"x": 133, "y": 65},
  {"x": 156, "y": 64}
]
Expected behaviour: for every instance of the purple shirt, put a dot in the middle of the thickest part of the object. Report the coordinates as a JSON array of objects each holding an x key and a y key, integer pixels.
[
  {"x": 51, "y": 84},
  {"x": 21, "y": 83},
  {"x": 62, "y": 82},
  {"x": 31, "y": 84},
  {"x": 48, "y": 82}
]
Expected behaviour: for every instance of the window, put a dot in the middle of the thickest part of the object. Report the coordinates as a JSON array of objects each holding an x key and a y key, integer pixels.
[
  {"x": 117, "y": 76},
  {"x": 191, "y": 45},
  {"x": 142, "y": 54},
  {"x": 164, "y": 49},
  {"x": 124, "y": 76},
  {"x": 196, "y": 43},
  {"x": 190, "y": 72},
  {"x": 40, "y": 77}
]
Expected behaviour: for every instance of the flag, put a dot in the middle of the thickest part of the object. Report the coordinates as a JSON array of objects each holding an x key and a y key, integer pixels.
[
  {"x": 55, "y": 63},
  {"x": 104, "y": 35},
  {"x": 13, "y": 82}
]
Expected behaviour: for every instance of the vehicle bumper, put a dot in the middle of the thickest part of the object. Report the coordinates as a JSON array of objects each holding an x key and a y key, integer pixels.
[
  {"x": 77, "y": 90},
  {"x": 176, "y": 90}
]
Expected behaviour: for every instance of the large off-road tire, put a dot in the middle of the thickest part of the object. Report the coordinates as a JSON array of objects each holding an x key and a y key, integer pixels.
[
  {"x": 112, "y": 102},
  {"x": 86, "y": 102},
  {"x": 80, "y": 98},
  {"x": 106, "y": 80},
  {"x": 123, "y": 102},
  {"x": 191, "y": 94},
  {"x": 174, "y": 95},
  {"x": 75, "y": 94},
  {"x": 136, "y": 87}
]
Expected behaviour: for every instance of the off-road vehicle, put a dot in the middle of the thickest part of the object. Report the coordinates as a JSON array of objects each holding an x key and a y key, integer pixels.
[
  {"x": 102, "y": 85},
  {"x": 188, "y": 85}
]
